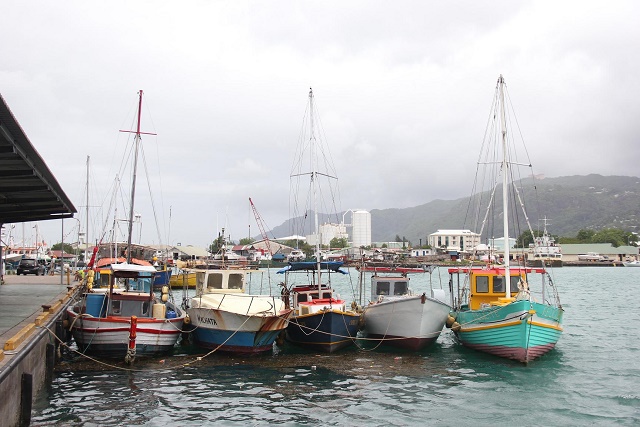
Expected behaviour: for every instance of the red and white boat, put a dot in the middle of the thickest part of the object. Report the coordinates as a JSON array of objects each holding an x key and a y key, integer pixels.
[{"x": 127, "y": 320}]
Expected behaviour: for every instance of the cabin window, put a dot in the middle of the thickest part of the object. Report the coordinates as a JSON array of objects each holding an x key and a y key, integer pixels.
[
  {"x": 214, "y": 281},
  {"x": 145, "y": 307},
  {"x": 302, "y": 297},
  {"x": 235, "y": 281},
  {"x": 482, "y": 284},
  {"x": 400, "y": 288},
  {"x": 382, "y": 288},
  {"x": 514, "y": 284},
  {"x": 115, "y": 307},
  {"x": 326, "y": 295},
  {"x": 498, "y": 284}
]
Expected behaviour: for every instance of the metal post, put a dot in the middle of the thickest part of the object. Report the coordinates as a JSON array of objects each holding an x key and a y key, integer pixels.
[{"x": 26, "y": 399}]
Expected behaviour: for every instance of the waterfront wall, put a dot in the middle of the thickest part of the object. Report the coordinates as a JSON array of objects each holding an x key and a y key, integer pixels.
[{"x": 29, "y": 361}]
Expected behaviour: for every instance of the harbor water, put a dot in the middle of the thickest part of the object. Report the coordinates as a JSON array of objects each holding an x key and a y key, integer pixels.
[{"x": 590, "y": 378}]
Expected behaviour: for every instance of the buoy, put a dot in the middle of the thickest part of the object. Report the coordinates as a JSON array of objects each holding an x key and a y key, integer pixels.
[
  {"x": 187, "y": 320},
  {"x": 456, "y": 327},
  {"x": 450, "y": 321}
]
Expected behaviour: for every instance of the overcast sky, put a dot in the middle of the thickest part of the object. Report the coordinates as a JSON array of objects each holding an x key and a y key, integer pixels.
[{"x": 403, "y": 90}]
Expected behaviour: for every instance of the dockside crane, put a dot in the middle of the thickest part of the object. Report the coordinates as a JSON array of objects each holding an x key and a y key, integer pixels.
[{"x": 261, "y": 225}]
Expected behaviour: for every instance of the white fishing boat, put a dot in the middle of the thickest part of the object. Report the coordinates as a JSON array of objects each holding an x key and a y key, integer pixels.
[
  {"x": 545, "y": 250},
  {"x": 126, "y": 318},
  {"x": 398, "y": 317},
  {"x": 634, "y": 263},
  {"x": 225, "y": 318}
]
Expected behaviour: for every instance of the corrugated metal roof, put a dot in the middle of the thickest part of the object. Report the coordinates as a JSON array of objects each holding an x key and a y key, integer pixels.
[
  {"x": 28, "y": 189},
  {"x": 599, "y": 248}
]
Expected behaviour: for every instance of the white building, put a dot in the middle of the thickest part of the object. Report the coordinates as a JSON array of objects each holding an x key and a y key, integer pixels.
[
  {"x": 328, "y": 232},
  {"x": 454, "y": 240},
  {"x": 360, "y": 228}
]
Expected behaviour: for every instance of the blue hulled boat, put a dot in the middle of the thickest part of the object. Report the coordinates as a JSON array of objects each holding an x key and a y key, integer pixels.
[{"x": 320, "y": 321}]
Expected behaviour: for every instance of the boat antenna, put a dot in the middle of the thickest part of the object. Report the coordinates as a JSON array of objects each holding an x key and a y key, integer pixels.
[{"x": 135, "y": 167}]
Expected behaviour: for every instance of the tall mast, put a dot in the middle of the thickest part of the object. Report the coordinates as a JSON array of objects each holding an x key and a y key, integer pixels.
[
  {"x": 314, "y": 181},
  {"x": 505, "y": 182},
  {"x": 86, "y": 236},
  {"x": 133, "y": 181}
]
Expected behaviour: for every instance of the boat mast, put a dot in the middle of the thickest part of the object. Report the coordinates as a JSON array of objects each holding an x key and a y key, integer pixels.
[
  {"x": 505, "y": 199},
  {"x": 133, "y": 181},
  {"x": 314, "y": 181},
  {"x": 86, "y": 236}
]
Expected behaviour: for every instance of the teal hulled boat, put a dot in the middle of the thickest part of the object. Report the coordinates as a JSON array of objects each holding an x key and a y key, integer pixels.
[
  {"x": 497, "y": 307},
  {"x": 517, "y": 327}
]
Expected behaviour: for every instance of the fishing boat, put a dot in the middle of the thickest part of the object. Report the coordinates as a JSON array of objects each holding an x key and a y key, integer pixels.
[
  {"x": 321, "y": 319},
  {"x": 398, "y": 317},
  {"x": 503, "y": 309},
  {"x": 227, "y": 319},
  {"x": 125, "y": 317},
  {"x": 182, "y": 278},
  {"x": 545, "y": 250}
]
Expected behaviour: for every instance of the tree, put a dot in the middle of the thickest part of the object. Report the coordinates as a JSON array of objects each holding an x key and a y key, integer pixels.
[
  {"x": 585, "y": 236},
  {"x": 338, "y": 242},
  {"x": 246, "y": 241},
  {"x": 217, "y": 245},
  {"x": 615, "y": 236},
  {"x": 69, "y": 249}
]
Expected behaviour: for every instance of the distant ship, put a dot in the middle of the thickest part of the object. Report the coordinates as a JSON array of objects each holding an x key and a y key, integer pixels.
[{"x": 545, "y": 250}]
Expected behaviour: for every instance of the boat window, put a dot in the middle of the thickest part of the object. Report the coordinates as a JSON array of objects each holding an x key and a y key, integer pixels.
[
  {"x": 498, "y": 284},
  {"x": 145, "y": 307},
  {"x": 235, "y": 281},
  {"x": 382, "y": 288},
  {"x": 302, "y": 297},
  {"x": 214, "y": 281},
  {"x": 326, "y": 295},
  {"x": 400, "y": 288},
  {"x": 115, "y": 307},
  {"x": 514, "y": 284},
  {"x": 482, "y": 284}
]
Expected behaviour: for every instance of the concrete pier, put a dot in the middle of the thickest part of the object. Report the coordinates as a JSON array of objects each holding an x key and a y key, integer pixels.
[{"x": 31, "y": 312}]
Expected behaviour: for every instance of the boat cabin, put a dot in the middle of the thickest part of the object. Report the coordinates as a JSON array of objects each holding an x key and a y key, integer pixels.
[
  {"x": 487, "y": 285},
  {"x": 389, "y": 286},
  {"x": 220, "y": 281},
  {"x": 308, "y": 299}
]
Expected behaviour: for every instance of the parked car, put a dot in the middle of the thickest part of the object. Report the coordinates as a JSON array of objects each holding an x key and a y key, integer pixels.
[{"x": 30, "y": 266}]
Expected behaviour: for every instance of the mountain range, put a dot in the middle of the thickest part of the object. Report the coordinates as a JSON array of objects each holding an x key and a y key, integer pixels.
[{"x": 569, "y": 203}]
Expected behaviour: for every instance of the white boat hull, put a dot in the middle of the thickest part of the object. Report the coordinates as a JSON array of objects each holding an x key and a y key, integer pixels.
[
  {"x": 109, "y": 336},
  {"x": 238, "y": 323},
  {"x": 410, "y": 322}
]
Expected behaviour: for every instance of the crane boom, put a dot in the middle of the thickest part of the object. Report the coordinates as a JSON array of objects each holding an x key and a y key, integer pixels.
[{"x": 261, "y": 226}]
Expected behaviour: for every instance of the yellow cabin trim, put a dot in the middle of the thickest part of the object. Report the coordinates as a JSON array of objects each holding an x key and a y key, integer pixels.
[{"x": 545, "y": 325}]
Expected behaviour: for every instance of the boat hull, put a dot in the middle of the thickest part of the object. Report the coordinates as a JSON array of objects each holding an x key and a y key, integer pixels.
[
  {"x": 236, "y": 332},
  {"x": 181, "y": 280},
  {"x": 411, "y": 322},
  {"x": 109, "y": 336},
  {"x": 327, "y": 331},
  {"x": 522, "y": 330}
]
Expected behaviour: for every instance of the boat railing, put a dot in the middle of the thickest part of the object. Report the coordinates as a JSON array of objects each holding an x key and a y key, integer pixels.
[{"x": 270, "y": 299}]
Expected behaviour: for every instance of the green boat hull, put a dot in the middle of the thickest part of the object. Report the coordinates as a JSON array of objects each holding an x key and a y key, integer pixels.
[{"x": 521, "y": 330}]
